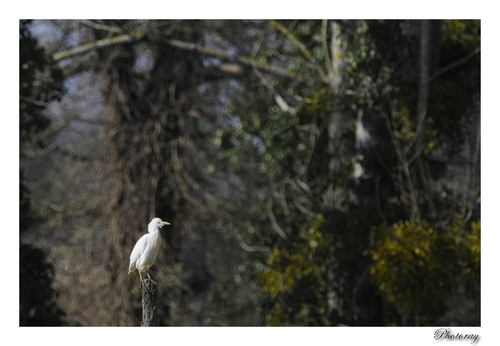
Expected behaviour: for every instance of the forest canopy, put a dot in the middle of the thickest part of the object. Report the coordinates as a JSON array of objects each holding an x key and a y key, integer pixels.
[{"x": 315, "y": 172}]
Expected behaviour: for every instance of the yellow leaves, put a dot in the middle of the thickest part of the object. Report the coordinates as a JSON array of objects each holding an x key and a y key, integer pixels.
[
  {"x": 318, "y": 104},
  {"x": 401, "y": 258},
  {"x": 414, "y": 264},
  {"x": 463, "y": 31},
  {"x": 274, "y": 318},
  {"x": 407, "y": 240},
  {"x": 274, "y": 258},
  {"x": 276, "y": 282},
  {"x": 296, "y": 270},
  {"x": 291, "y": 267},
  {"x": 473, "y": 242},
  {"x": 404, "y": 128}
]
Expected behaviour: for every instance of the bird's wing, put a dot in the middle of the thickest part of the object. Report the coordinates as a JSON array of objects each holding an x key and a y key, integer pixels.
[
  {"x": 138, "y": 250},
  {"x": 151, "y": 248}
]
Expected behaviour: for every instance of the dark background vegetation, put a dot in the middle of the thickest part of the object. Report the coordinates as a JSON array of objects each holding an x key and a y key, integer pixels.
[{"x": 315, "y": 173}]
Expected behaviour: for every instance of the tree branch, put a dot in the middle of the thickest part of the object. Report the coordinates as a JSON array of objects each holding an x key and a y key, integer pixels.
[
  {"x": 271, "y": 216},
  {"x": 305, "y": 51},
  {"x": 96, "y": 45},
  {"x": 243, "y": 60},
  {"x": 189, "y": 46},
  {"x": 422, "y": 107},
  {"x": 103, "y": 27},
  {"x": 455, "y": 63}
]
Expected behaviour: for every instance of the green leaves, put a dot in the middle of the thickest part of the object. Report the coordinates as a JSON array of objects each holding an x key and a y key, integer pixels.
[
  {"x": 416, "y": 265},
  {"x": 298, "y": 271}
]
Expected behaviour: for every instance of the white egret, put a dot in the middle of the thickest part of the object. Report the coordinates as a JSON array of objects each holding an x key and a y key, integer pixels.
[{"x": 146, "y": 249}]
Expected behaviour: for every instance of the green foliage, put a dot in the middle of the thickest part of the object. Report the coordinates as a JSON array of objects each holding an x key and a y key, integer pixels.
[
  {"x": 295, "y": 280},
  {"x": 473, "y": 244},
  {"x": 402, "y": 262},
  {"x": 281, "y": 179},
  {"x": 455, "y": 88},
  {"x": 458, "y": 253},
  {"x": 420, "y": 269},
  {"x": 462, "y": 34},
  {"x": 318, "y": 106},
  {"x": 380, "y": 79}
]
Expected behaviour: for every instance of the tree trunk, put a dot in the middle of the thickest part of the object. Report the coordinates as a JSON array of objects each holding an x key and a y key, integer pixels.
[
  {"x": 423, "y": 99},
  {"x": 149, "y": 304}
]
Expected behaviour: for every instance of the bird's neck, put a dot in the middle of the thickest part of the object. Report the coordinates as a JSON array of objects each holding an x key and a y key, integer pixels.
[{"x": 154, "y": 230}]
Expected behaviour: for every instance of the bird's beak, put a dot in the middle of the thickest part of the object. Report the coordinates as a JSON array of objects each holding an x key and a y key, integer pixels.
[{"x": 166, "y": 223}]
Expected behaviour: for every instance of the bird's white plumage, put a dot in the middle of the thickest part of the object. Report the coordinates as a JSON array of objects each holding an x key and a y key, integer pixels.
[{"x": 146, "y": 249}]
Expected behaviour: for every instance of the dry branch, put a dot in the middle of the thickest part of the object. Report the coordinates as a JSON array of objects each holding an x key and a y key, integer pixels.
[
  {"x": 96, "y": 45},
  {"x": 242, "y": 60}
]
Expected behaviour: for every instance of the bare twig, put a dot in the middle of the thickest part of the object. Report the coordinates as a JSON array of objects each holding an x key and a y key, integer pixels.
[
  {"x": 279, "y": 100},
  {"x": 302, "y": 47},
  {"x": 96, "y": 45},
  {"x": 273, "y": 219},
  {"x": 328, "y": 62},
  {"x": 404, "y": 167},
  {"x": 243, "y": 60},
  {"x": 293, "y": 38},
  {"x": 112, "y": 29},
  {"x": 455, "y": 64}
]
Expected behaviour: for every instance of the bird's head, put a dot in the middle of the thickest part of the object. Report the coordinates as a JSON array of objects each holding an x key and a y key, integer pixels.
[{"x": 157, "y": 223}]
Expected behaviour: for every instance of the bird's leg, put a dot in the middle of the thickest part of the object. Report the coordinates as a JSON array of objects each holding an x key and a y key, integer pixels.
[
  {"x": 141, "y": 282},
  {"x": 149, "y": 277}
]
